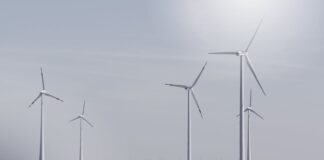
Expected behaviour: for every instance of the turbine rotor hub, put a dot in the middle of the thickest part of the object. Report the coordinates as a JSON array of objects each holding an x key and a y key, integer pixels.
[
  {"x": 242, "y": 53},
  {"x": 43, "y": 91}
]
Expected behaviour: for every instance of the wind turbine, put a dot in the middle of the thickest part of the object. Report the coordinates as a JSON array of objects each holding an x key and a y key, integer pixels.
[
  {"x": 190, "y": 90},
  {"x": 243, "y": 54},
  {"x": 249, "y": 110},
  {"x": 81, "y": 118},
  {"x": 42, "y": 93}
]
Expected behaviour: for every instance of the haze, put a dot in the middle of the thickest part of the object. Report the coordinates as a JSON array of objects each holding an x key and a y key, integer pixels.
[{"x": 119, "y": 54}]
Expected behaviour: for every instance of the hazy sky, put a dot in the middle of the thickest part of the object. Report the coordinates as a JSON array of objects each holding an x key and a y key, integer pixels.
[{"x": 118, "y": 54}]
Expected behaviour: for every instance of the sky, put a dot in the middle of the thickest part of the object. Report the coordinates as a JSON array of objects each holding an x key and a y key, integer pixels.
[{"x": 117, "y": 55}]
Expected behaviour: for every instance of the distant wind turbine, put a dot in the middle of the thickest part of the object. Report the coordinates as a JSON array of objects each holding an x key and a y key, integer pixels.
[
  {"x": 243, "y": 54},
  {"x": 42, "y": 93},
  {"x": 81, "y": 118},
  {"x": 190, "y": 90},
  {"x": 250, "y": 110}
]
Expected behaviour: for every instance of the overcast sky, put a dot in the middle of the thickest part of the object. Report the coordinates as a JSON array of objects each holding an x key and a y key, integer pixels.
[{"x": 119, "y": 54}]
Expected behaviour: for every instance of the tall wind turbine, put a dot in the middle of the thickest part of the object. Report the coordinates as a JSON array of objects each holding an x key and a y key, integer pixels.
[
  {"x": 81, "y": 118},
  {"x": 190, "y": 90},
  {"x": 243, "y": 54},
  {"x": 249, "y": 110},
  {"x": 42, "y": 93}
]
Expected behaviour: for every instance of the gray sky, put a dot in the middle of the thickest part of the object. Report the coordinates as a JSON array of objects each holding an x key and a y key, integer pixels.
[{"x": 118, "y": 54}]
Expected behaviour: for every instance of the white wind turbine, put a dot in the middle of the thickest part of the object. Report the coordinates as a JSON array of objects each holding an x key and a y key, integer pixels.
[
  {"x": 250, "y": 110},
  {"x": 190, "y": 90},
  {"x": 243, "y": 54},
  {"x": 81, "y": 118},
  {"x": 42, "y": 93}
]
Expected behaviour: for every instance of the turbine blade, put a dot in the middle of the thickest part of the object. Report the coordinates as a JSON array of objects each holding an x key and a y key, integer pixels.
[
  {"x": 78, "y": 117},
  {"x": 39, "y": 95},
  {"x": 42, "y": 75},
  {"x": 238, "y": 115},
  {"x": 249, "y": 63},
  {"x": 256, "y": 31},
  {"x": 83, "y": 107},
  {"x": 177, "y": 85},
  {"x": 42, "y": 101},
  {"x": 227, "y": 53},
  {"x": 250, "y": 97},
  {"x": 196, "y": 80},
  {"x": 87, "y": 121},
  {"x": 50, "y": 95},
  {"x": 196, "y": 101},
  {"x": 250, "y": 109}
]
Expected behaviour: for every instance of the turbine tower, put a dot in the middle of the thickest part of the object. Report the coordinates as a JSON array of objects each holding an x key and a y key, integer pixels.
[
  {"x": 243, "y": 54},
  {"x": 249, "y": 110},
  {"x": 42, "y": 93},
  {"x": 81, "y": 118},
  {"x": 190, "y": 90}
]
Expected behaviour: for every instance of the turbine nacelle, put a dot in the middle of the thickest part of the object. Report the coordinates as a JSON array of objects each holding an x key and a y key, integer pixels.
[
  {"x": 188, "y": 88},
  {"x": 43, "y": 91},
  {"x": 242, "y": 53}
]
